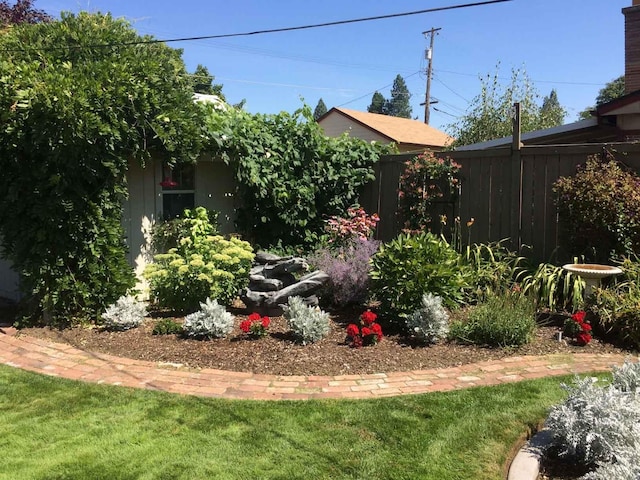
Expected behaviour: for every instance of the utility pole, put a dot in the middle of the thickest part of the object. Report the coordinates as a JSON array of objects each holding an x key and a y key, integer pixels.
[{"x": 429, "y": 56}]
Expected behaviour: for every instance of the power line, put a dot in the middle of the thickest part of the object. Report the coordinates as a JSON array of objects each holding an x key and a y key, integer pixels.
[
  {"x": 285, "y": 29},
  {"x": 376, "y": 90}
]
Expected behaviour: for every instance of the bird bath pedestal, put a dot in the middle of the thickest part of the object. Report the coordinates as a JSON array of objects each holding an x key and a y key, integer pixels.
[{"x": 592, "y": 273}]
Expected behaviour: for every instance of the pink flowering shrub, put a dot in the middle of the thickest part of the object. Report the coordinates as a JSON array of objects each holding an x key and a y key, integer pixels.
[{"x": 357, "y": 224}]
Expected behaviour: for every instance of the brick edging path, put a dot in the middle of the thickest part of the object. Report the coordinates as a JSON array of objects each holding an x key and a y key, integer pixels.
[{"x": 62, "y": 360}]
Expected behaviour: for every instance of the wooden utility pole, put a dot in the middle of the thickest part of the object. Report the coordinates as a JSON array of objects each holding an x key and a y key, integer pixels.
[{"x": 429, "y": 55}]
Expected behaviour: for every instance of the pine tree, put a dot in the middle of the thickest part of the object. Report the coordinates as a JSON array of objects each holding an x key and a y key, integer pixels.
[
  {"x": 378, "y": 104},
  {"x": 203, "y": 83},
  {"x": 551, "y": 114},
  {"x": 398, "y": 105},
  {"x": 320, "y": 110}
]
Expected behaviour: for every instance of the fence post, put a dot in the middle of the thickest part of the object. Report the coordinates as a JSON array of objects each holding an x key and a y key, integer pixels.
[{"x": 516, "y": 175}]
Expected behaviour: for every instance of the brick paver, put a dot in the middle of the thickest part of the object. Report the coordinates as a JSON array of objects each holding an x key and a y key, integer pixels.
[{"x": 65, "y": 361}]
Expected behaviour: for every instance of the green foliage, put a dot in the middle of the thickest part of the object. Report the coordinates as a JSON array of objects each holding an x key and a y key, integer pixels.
[
  {"x": 202, "y": 266},
  {"x": 211, "y": 321},
  {"x": 308, "y": 324},
  {"x": 618, "y": 306},
  {"x": 612, "y": 90},
  {"x": 320, "y": 110},
  {"x": 290, "y": 176},
  {"x": 202, "y": 82},
  {"x": 70, "y": 121},
  {"x": 425, "y": 179},
  {"x": 551, "y": 113},
  {"x": 167, "y": 326},
  {"x": 552, "y": 287},
  {"x": 500, "y": 321},
  {"x": 599, "y": 209},
  {"x": 491, "y": 112},
  {"x": 493, "y": 269},
  {"x": 167, "y": 234},
  {"x": 378, "y": 104},
  {"x": 412, "y": 265},
  {"x": 399, "y": 105},
  {"x": 126, "y": 313}
]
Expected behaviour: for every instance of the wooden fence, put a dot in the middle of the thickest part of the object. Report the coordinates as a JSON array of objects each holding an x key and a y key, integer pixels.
[{"x": 507, "y": 193}]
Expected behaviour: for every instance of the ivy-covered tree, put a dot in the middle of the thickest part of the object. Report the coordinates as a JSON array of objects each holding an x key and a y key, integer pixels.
[
  {"x": 22, "y": 11},
  {"x": 291, "y": 177},
  {"x": 490, "y": 114},
  {"x": 398, "y": 105},
  {"x": 320, "y": 110},
  {"x": 378, "y": 104},
  {"x": 612, "y": 90},
  {"x": 73, "y": 113}
]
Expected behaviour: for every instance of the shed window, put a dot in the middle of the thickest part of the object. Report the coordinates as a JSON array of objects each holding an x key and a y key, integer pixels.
[{"x": 178, "y": 189}]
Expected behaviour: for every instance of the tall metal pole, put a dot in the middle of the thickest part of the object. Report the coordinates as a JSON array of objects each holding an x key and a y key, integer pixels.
[{"x": 427, "y": 101}]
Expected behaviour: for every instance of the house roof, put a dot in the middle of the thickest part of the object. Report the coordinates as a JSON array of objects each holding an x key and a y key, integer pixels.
[{"x": 396, "y": 129}]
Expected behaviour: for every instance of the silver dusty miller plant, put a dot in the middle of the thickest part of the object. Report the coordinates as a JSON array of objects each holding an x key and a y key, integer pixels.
[
  {"x": 126, "y": 313},
  {"x": 431, "y": 322},
  {"x": 600, "y": 426},
  {"x": 308, "y": 324},
  {"x": 211, "y": 321}
]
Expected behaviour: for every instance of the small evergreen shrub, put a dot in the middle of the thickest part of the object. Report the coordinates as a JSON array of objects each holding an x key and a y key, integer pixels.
[
  {"x": 500, "y": 321},
  {"x": 126, "y": 313},
  {"x": 167, "y": 326},
  {"x": 597, "y": 426},
  {"x": 308, "y": 324},
  {"x": 202, "y": 266},
  {"x": 431, "y": 322},
  {"x": 606, "y": 221},
  {"x": 348, "y": 268},
  {"x": 212, "y": 321},
  {"x": 410, "y": 265}
]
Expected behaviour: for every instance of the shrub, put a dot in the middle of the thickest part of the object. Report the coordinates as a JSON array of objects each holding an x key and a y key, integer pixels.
[
  {"x": 411, "y": 265},
  {"x": 167, "y": 326},
  {"x": 308, "y": 324},
  {"x": 201, "y": 266},
  {"x": 552, "y": 287},
  {"x": 166, "y": 235},
  {"x": 348, "y": 267},
  {"x": 426, "y": 178},
  {"x": 617, "y": 308},
  {"x": 606, "y": 221},
  {"x": 356, "y": 225},
  {"x": 431, "y": 322},
  {"x": 126, "y": 313},
  {"x": 578, "y": 328},
  {"x": 500, "y": 321},
  {"x": 255, "y": 325},
  {"x": 597, "y": 426},
  {"x": 368, "y": 333},
  {"x": 211, "y": 321}
]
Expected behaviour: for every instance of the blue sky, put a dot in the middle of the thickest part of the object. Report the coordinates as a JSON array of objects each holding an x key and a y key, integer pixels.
[{"x": 574, "y": 46}]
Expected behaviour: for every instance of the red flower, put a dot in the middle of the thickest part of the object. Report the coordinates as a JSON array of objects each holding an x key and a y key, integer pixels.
[
  {"x": 583, "y": 338},
  {"x": 586, "y": 328},
  {"x": 377, "y": 330},
  {"x": 254, "y": 317},
  {"x": 368, "y": 317},
  {"x": 353, "y": 330},
  {"x": 366, "y": 331},
  {"x": 357, "y": 341},
  {"x": 266, "y": 321},
  {"x": 245, "y": 326},
  {"x": 579, "y": 316}
]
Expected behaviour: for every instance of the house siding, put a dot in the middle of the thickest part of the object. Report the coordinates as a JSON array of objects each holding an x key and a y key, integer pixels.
[{"x": 336, "y": 124}]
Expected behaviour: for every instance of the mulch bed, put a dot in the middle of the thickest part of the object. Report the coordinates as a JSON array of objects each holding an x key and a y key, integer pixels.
[{"x": 279, "y": 354}]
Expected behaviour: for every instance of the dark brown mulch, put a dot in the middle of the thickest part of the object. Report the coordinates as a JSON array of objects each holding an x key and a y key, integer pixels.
[{"x": 279, "y": 354}]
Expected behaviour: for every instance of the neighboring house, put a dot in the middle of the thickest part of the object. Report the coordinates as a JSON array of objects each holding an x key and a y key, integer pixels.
[{"x": 409, "y": 135}]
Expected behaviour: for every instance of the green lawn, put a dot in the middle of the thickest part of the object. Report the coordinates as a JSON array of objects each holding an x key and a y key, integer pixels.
[{"x": 59, "y": 429}]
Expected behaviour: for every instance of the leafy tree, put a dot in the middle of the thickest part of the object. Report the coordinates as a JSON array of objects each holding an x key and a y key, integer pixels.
[
  {"x": 378, "y": 104},
  {"x": 551, "y": 113},
  {"x": 203, "y": 82},
  {"x": 490, "y": 113},
  {"x": 71, "y": 119},
  {"x": 22, "y": 11},
  {"x": 612, "y": 90},
  {"x": 398, "y": 105},
  {"x": 320, "y": 110},
  {"x": 291, "y": 177}
]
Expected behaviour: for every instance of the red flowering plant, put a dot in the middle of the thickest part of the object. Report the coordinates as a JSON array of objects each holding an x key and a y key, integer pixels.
[
  {"x": 255, "y": 325},
  {"x": 357, "y": 224},
  {"x": 368, "y": 333},
  {"x": 578, "y": 328}
]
